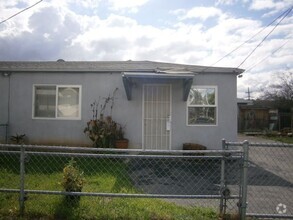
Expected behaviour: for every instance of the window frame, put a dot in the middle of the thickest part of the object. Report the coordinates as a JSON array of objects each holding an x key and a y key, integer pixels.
[
  {"x": 200, "y": 106},
  {"x": 57, "y": 86}
]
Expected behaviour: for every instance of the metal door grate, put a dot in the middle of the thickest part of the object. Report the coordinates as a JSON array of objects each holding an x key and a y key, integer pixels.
[{"x": 157, "y": 117}]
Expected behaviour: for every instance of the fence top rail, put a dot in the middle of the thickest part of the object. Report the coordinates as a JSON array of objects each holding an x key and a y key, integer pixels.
[
  {"x": 112, "y": 150},
  {"x": 258, "y": 144},
  {"x": 128, "y": 156},
  {"x": 270, "y": 145}
]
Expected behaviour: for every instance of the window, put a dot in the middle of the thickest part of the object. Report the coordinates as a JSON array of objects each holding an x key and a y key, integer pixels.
[
  {"x": 202, "y": 105},
  {"x": 57, "y": 101}
]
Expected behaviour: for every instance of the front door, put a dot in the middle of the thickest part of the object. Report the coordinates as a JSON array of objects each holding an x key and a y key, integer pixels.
[{"x": 156, "y": 116}]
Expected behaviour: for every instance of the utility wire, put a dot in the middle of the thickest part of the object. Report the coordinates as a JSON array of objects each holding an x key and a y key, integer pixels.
[
  {"x": 20, "y": 12},
  {"x": 254, "y": 65},
  {"x": 236, "y": 48},
  {"x": 284, "y": 16}
]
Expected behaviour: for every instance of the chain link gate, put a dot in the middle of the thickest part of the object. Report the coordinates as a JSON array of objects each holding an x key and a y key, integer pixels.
[
  {"x": 268, "y": 188},
  {"x": 209, "y": 178}
]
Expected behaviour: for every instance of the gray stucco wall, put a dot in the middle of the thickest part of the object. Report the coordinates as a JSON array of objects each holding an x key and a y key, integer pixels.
[
  {"x": 70, "y": 132},
  {"x": 209, "y": 136},
  {"x": 128, "y": 113},
  {"x": 4, "y": 86}
]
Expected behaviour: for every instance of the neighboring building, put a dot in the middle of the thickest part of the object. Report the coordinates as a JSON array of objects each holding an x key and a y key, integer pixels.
[
  {"x": 261, "y": 115},
  {"x": 253, "y": 119},
  {"x": 162, "y": 105}
]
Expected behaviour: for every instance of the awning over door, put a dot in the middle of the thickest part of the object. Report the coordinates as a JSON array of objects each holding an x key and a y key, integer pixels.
[{"x": 129, "y": 77}]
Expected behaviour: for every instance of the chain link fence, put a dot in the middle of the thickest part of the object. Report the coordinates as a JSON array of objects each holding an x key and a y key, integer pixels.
[
  {"x": 33, "y": 179},
  {"x": 269, "y": 179},
  {"x": 3, "y": 133}
]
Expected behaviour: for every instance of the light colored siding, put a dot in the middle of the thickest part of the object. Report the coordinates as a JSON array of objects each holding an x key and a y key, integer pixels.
[{"x": 128, "y": 113}]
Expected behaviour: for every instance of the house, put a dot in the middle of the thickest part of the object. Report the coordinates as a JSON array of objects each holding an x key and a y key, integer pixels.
[{"x": 162, "y": 105}]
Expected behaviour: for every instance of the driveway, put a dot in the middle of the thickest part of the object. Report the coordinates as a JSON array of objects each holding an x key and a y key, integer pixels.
[
  {"x": 270, "y": 178},
  {"x": 178, "y": 176},
  {"x": 254, "y": 139}
]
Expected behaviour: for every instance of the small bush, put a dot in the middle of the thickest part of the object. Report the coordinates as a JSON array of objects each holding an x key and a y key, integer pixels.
[{"x": 73, "y": 178}]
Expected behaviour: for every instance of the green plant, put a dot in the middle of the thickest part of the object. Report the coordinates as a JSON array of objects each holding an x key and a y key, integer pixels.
[
  {"x": 18, "y": 138},
  {"x": 101, "y": 129},
  {"x": 73, "y": 177}
]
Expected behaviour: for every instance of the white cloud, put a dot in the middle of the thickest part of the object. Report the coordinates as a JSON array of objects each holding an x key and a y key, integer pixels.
[
  {"x": 271, "y": 5},
  {"x": 127, "y": 5},
  {"x": 202, "y": 13},
  {"x": 87, "y": 3},
  {"x": 46, "y": 25},
  {"x": 119, "y": 21}
]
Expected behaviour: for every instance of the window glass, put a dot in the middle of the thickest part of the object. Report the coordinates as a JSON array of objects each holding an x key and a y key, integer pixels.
[
  {"x": 68, "y": 102},
  {"x": 202, "y": 96},
  {"x": 201, "y": 106},
  {"x": 45, "y": 101},
  {"x": 66, "y": 97},
  {"x": 201, "y": 115}
]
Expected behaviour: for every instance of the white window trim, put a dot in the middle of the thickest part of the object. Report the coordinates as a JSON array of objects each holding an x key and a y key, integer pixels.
[
  {"x": 57, "y": 87},
  {"x": 216, "y": 106}
]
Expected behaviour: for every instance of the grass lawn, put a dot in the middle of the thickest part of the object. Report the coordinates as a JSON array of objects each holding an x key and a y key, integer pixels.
[{"x": 102, "y": 175}]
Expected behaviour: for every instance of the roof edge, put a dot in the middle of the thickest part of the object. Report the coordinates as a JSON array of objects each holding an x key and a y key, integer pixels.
[{"x": 109, "y": 66}]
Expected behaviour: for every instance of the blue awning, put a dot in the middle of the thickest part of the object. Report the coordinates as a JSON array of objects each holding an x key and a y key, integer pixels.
[{"x": 185, "y": 77}]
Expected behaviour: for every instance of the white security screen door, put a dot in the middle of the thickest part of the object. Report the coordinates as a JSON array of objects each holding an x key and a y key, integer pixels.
[{"x": 157, "y": 116}]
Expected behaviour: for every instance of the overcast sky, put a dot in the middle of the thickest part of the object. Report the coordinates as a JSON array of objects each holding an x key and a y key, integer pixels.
[{"x": 179, "y": 31}]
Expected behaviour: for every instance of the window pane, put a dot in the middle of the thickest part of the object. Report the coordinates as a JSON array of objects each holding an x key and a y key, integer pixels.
[
  {"x": 45, "y": 101},
  {"x": 202, "y": 96},
  {"x": 201, "y": 115},
  {"x": 68, "y": 102}
]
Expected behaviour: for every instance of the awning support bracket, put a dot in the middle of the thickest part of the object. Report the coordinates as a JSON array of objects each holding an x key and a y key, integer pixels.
[
  {"x": 128, "y": 87},
  {"x": 187, "y": 83}
]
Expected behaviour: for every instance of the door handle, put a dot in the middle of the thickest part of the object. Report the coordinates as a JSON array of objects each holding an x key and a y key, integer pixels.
[{"x": 168, "y": 123}]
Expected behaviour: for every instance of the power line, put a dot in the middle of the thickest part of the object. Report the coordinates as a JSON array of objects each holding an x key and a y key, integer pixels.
[
  {"x": 254, "y": 65},
  {"x": 236, "y": 48},
  {"x": 20, "y": 12},
  {"x": 265, "y": 37}
]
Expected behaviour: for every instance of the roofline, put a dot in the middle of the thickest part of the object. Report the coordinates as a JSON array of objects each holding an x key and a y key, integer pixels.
[{"x": 93, "y": 67}]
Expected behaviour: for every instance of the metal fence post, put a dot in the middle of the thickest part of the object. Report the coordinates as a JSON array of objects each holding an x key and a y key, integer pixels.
[
  {"x": 222, "y": 182},
  {"x": 21, "y": 188},
  {"x": 243, "y": 204}
]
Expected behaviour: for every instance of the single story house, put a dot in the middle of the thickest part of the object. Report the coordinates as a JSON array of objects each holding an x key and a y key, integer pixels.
[{"x": 162, "y": 105}]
